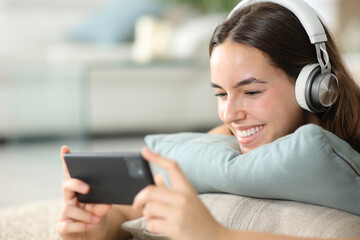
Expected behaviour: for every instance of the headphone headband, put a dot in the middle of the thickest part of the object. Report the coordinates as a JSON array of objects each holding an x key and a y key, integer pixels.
[{"x": 305, "y": 13}]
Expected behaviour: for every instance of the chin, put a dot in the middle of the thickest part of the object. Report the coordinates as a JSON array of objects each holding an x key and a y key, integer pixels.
[
  {"x": 250, "y": 148},
  {"x": 245, "y": 150}
]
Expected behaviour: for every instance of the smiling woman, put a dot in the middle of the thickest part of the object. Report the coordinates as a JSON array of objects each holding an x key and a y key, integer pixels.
[{"x": 258, "y": 57}]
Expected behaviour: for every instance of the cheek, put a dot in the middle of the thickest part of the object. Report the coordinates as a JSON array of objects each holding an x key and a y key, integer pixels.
[
  {"x": 272, "y": 108},
  {"x": 286, "y": 113},
  {"x": 262, "y": 109}
]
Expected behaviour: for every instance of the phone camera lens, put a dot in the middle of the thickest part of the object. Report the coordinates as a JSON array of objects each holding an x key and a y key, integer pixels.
[{"x": 140, "y": 172}]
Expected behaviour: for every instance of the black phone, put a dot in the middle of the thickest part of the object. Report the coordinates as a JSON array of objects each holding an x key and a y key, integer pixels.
[{"x": 114, "y": 178}]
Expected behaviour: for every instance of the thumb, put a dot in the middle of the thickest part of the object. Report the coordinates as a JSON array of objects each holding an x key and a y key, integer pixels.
[
  {"x": 176, "y": 176},
  {"x": 64, "y": 149}
]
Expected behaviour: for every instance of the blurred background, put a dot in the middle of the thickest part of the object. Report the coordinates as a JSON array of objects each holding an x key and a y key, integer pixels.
[{"x": 99, "y": 75}]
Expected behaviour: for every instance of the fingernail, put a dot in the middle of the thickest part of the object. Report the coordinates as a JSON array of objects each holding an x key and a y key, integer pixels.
[
  {"x": 83, "y": 188},
  {"x": 146, "y": 150},
  {"x": 95, "y": 219},
  {"x": 136, "y": 207},
  {"x": 89, "y": 226},
  {"x": 150, "y": 153}
]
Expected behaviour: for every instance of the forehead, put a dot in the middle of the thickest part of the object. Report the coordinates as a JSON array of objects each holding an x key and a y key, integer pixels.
[
  {"x": 231, "y": 62},
  {"x": 237, "y": 53}
]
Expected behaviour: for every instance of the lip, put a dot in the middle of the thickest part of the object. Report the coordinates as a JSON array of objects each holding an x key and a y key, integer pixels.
[
  {"x": 248, "y": 127},
  {"x": 249, "y": 139}
]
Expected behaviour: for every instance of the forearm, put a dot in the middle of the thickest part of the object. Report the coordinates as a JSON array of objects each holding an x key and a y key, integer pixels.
[
  {"x": 221, "y": 130},
  {"x": 118, "y": 215},
  {"x": 122, "y": 213}
]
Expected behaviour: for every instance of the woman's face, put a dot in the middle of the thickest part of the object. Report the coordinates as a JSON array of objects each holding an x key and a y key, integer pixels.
[{"x": 255, "y": 99}]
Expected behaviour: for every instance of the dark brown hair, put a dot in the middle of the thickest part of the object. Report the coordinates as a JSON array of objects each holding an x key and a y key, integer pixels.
[{"x": 277, "y": 32}]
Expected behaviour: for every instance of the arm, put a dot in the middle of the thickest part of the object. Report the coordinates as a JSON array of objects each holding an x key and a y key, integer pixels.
[
  {"x": 118, "y": 215},
  {"x": 222, "y": 130}
]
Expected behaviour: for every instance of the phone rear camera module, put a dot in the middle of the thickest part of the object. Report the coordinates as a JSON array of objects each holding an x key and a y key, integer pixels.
[{"x": 135, "y": 167}]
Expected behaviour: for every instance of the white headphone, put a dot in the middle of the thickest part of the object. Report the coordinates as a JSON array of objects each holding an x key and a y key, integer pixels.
[{"x": 316, "y": 86}]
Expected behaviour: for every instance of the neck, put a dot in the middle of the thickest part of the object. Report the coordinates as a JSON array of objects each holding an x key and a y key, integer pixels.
[{"x": 312, "y": 118}]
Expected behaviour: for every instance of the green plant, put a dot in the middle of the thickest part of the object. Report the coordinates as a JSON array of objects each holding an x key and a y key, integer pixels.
[{"x": 211, "y": 5}]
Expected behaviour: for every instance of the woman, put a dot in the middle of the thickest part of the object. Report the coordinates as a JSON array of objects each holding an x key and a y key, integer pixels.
[{"x": 255, "y": 57}]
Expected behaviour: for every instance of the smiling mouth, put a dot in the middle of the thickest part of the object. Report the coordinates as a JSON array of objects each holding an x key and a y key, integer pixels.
[{"x": 249, "y": 132}]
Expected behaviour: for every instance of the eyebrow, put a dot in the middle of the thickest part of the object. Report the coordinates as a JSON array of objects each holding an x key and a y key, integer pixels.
[{"x": 241, "y": 83}]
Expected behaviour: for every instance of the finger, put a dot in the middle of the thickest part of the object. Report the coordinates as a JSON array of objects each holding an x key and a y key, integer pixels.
[
  {"x": 101, "y": 210},
  {"x": 159, "y": 210},
  {"x": 142, "y": 197},
  {"x": 63, "y": 150},
  {"x": 73, "y": 185},
  {"x": 162, "y": 226},
  {"x": 156, "y": 194},
  {"x": 75, "y": 213},
  {"x": 67, "y": 226},
  {"x": 176, "y": 176},
  {"x": 155, "y": 226},
  {"x": 159, "y": 181},
  {"x": 88, "y": 207}
]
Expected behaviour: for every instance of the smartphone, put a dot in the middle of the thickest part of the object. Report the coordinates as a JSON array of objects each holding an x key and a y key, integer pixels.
[{"x": 114, "y": 178}]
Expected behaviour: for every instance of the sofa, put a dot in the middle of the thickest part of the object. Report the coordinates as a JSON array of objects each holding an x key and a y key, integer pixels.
[
  {"x": 79, "y": 72},
  {"x": 37, "y": 220},
  {"x": 84, "y": 62}
]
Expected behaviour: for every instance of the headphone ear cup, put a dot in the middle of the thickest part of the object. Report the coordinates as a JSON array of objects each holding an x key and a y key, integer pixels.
[
  {"x": 303, "y": 85},
  {"x": 323, "y": 91}
]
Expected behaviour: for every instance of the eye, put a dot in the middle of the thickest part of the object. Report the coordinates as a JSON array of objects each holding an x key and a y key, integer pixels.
[
  {"x": 220, "y": 94},
  {"x": 252, "y": 93}
]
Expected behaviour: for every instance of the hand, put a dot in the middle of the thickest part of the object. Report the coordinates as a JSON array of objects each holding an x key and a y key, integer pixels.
[
  {"x": 177, "y": 212},
  {"x": 78, "y": 220}
]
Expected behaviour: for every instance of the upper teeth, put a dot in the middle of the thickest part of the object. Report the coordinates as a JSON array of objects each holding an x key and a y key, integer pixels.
[{"x": 249, "y": 132}]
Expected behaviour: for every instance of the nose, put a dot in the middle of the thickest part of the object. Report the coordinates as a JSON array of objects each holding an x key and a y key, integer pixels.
[{"x": 233, "y": 111}]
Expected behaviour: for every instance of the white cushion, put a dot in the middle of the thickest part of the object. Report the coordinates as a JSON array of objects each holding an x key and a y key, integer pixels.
[{"x": 273, "y": 216}]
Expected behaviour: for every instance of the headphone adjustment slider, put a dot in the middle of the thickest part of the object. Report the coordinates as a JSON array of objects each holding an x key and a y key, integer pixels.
[{"x": 323, "y": 57}]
